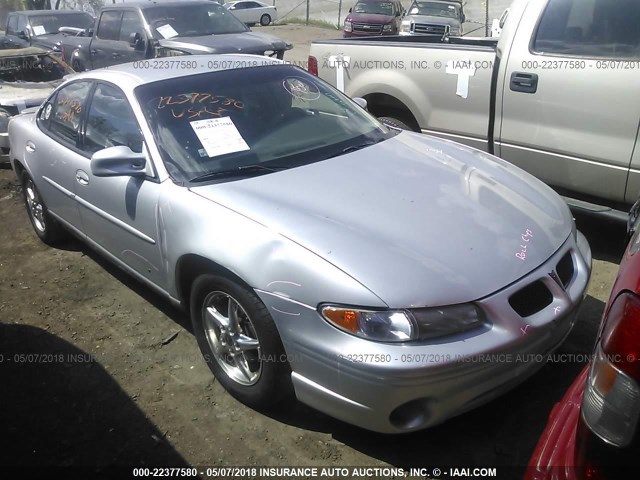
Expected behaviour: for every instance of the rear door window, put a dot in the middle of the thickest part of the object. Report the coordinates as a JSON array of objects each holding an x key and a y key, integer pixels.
[{"x": 590, "y": 28}]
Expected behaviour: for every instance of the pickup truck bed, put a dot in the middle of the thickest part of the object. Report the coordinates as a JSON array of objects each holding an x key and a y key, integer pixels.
[{"x": 557, "y": 94}]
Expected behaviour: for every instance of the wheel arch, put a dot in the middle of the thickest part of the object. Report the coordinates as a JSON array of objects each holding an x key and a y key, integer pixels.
[
  {"x": 385, "y": 105},
  {"x": 190, "y": 266}
]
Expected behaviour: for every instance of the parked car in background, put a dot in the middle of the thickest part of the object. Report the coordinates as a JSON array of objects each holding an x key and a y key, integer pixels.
[
  {"x": 433, "y": 18},
  {"x": 558, "y": 93},
  {"x": 27, "y": 77},
  {"x": 373, "y": 17},
  {"x": 11, "y": 42},
  {"x": 594, "y": 431},
  {"x": 251, "y": 12},
  {"x": 143, "y": 30},
  {"x": 318, "y": 251},
  {"x": 40, "y": 28}
]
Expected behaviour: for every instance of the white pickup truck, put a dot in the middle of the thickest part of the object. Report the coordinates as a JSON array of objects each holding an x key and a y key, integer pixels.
[{"x": 558, "y": 93}]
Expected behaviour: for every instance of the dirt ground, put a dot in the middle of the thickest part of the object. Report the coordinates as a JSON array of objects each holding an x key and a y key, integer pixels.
[{"x": 97, "y": 370}]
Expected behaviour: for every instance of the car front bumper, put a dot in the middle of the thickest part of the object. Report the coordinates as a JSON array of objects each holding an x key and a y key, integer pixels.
[{"x": 395, "y": 388}]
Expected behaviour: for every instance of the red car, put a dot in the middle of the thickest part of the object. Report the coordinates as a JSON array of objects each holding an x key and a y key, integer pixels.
[{"x": 593, "y": 432}]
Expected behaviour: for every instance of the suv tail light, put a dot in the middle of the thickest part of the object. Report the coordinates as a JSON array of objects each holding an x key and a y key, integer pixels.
[
  {"x": 312, "y": 65},
  {"x": 611, "y": 401}
]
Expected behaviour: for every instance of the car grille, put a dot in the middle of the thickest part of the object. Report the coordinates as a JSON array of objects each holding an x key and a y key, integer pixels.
[
  {"x": 536, "y": 296},
  {"x": 430, "y": 29},
  {"x": 367, "y": 27}
]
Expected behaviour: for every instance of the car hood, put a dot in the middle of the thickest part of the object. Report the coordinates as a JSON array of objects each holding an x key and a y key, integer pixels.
[
  {"x": 25, "y": 94},
  {"x": 245, "y": 42},
  {"x": 370, "y": 18},
  {"x": 47, "y": 41},
  {"x": 417, "y": 220},
  {"x": 452, "y": 22}
]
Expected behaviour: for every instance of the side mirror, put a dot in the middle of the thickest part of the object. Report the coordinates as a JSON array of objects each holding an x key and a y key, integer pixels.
[
  {"x": 463, "y": 18},
  {"x": 23, "y": 35},
  {"x": 361, "y": 102},
  {"x": 136, "y": 41},
  {"x": 350, "y": 10},
  {"x": 118, "y": 161}
]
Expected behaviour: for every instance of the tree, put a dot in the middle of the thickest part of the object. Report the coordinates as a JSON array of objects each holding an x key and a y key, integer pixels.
[{"x": 38, "y": 4}]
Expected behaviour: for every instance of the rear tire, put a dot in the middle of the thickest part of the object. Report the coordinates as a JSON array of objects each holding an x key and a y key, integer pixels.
[
  {"x": 45, "y": 226},
  {"x": 239, "y": 341},
  {"x": 265, "y": 20},
  {"x": 394, "y": 122}
]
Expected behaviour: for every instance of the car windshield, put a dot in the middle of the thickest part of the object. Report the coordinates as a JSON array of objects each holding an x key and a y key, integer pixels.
[
  {"x": 43, "y": 24},
  {"x": 254, "y": 120},
  {"x": 434, "y": 9},
  {"x": 380, "y": 8},
  {"x": 31, "y": 68},
  {"x": 195, "y": 21}
]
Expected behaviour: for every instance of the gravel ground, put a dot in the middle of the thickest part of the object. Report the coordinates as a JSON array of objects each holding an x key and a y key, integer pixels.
[{"x": 96, "y": 370}]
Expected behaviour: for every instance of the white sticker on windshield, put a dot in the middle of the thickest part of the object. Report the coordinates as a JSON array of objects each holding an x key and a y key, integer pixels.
[
  {"x": 39, "y": 30},
  {"x": 219, "y": 136},
  {"x": 167, "y": 31}
]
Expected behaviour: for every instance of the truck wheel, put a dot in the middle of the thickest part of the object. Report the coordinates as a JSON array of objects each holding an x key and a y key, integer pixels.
[
  {"x": 239, "y": 341},
  {"x": 265, "y": 20},
  {"x": 45, "y": 226},
  {"x": 394, "y": 122}
]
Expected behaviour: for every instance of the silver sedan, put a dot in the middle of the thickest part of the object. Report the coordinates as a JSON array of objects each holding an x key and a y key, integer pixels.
[{"x": 387, "y": 278}]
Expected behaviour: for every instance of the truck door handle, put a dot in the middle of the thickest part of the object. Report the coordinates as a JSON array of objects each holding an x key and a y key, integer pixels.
[
  {"x": 82, "y": 178},
  {"x": 524, "y": 82},
  {"x": 115, "y": 55},
  {"x": 30, "y": 147},
  {"x": 94, "y": 52}
]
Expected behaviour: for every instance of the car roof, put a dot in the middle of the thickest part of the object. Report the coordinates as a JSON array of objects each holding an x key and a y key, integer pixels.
[
  {"x": 19, "y": 52},
  {"x": 46, "y": 12},
  {"x": 131, "y": 75}
]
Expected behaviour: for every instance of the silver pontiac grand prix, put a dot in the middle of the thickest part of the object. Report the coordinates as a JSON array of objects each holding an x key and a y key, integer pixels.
[{"x": 386, "y": 278}]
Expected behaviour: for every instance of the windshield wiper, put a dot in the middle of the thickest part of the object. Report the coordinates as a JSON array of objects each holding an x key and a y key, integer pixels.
[
  {"x": 353, "y": 148},
  {"x": 236, "y": 171}
]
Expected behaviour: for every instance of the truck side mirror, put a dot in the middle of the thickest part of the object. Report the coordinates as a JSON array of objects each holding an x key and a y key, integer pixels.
[
  {"x": 136, "y": 41},
  {"x": 23, "y": 35},
  {"x": 350, "y": 10},
  {"x": 463, "y": 18}
]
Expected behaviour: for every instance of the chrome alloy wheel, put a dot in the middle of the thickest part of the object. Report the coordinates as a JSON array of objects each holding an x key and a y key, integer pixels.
[
  {"x": 232, "y": 338},
  {"x": 36, "y": 209}
]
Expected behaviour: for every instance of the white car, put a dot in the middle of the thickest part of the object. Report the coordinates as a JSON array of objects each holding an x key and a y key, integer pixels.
[{"x": 251, "y": 12}]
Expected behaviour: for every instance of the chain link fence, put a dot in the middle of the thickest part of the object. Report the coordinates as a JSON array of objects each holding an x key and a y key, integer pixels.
[{"x": 479, "y": 13}]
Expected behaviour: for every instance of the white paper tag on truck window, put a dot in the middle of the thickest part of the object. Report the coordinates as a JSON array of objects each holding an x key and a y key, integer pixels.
[
  {"x": 219, "y": 136},
  {"x": 167, "y": 31},
  {"x": 39, "y": 30}
]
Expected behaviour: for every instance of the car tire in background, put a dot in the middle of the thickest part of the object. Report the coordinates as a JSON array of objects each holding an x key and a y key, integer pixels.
[
  {"x": 394, "y": 122},
  {"x": 265, "y": 20},
  {"x": 45, "y": 226},
  {"x": 239, "y": 341}
]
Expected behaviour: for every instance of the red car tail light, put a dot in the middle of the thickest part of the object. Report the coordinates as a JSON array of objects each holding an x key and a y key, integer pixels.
[
  {"x": 611, "y": 401},
  {"x": 312, "y": 65}
]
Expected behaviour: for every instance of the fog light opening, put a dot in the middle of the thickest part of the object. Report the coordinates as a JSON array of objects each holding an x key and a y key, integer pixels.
[{"x": 411, "y": 415}]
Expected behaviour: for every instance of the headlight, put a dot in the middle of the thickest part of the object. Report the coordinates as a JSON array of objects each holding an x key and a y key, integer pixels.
[
  {"x": 405, "y": 27},
  {"x": 4, "y": 121},
  {"x": 168, "y": 52},
  {"x": 347, "y": 26},
  {"x": 387, "y": 28},
  {"x": 404, "y": 325}
]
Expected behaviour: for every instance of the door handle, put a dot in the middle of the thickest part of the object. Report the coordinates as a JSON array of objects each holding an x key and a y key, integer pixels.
[
  {"x": 524, "y": 82},
  {"x": 30, "y": 147},
  {"x": 94, "y": 51},
  {"x": 115, "y": 55},
  {"x": 82, "y": 178}
]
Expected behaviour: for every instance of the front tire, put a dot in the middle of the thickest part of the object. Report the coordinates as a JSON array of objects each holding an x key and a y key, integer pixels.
[
  {"x": 394, "y": 122},
  {"x": 45, "y": 226},
  {"x": 239, "y": 341},
  {"x": 265, "y": 20}
]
